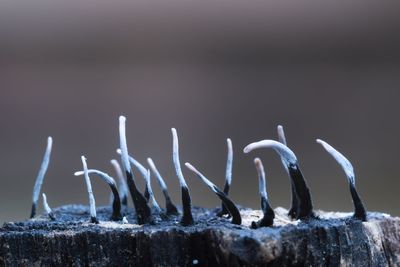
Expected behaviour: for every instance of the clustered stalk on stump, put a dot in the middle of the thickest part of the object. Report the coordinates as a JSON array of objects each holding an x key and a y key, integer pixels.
[{"x": 301, "y": 207}]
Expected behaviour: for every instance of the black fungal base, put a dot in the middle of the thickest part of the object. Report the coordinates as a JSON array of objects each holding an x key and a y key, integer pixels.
[{"x": 335, "y": 239}]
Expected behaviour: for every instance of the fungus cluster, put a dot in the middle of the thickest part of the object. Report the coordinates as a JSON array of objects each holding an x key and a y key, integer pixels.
[{"x": 147, "y": 210}]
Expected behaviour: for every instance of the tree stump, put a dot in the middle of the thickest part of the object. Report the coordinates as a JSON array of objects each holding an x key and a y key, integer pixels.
[{"x": 333, "y": 239}]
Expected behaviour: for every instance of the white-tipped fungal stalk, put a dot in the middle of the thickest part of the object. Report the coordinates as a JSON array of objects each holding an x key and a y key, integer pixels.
[
  {"x": 286, "y": 154},
  {"x": 211, "y": 185},
  {"x": 143, "y": 212},
  {"x": 170, "y": 207},
  {"x": 295, "y": 201},
  {"x": 47, "y": 208},
  {"x": 40, "y": 176},
  {"x": 228, "y": 175},
  {"x": 187, "y": 217},
  {"x": 360, "y": 212},
  {"x": 123, "y": 145},
  {"x": 143, "y": 172},
  {"x": 229, "y": 204},
  {"x": 116, "y": 214},
  {"x": 229, "y": 165},
  {"x": 92, "y": 202},
  {"x": 305, "y": 208},
  {"x": 262, "y": 185},
  {"x": 281, "y": 135},
  {"x": 269, "y": 214},
  {"x": 175, "y": 158},
  {"x": 152, "y": 198},
  {"x": 342, "y": 160},
  {"x": 123, "y": 187}
]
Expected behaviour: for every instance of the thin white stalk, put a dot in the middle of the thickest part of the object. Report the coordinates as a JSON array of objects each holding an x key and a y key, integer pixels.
[
  {"x": 152, "y": 198},
  {"x": 107, "y": 178},
  {"x": 175, "y": 158},
  {"x": 286, "y": 154},
  {"x": 159, "y": 178},
  {"x": 92, "y": 202},
  {"x": 123, "y": 187},
  {"x": 137, "y": 164},
  {"x": 123, "y": 145},
  {"x": 341, "y": 159},
  {"x": 201, "y": 176},
  {"x": 46, "y": 205},
  {"x": 282, "y": 139},
  {"x": 281, "y": 135},
  {"x": 262, "y": 185},
  {"x": 229, "y": 162},
  {"x": 42, "y": 171}
]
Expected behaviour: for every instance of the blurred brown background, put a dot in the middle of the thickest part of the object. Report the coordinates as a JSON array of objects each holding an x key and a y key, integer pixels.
[{"x": 212, "y": 70}]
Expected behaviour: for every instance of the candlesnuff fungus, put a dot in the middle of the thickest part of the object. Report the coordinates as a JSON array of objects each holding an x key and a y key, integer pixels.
[
  {"x": 295, "y": 201},
  {"x": 123, "y": 187},
  {"x": 116, "y": 213},
  {"x": 305, "y": 209},
  {"x": 169, "y": 206},
  {"x": 47, "y": 208},
  {"x": 228, "y": 175},
  {"x": 269, "y": 214},
  {"x": 143, "y": 212},
  {"x": 40, "y": 176},
  {"x": 187, "y": 217},
  {"x": 92, "y": 202},
  {"x": 302, "y": 207},
  {"x": 148, "y": 193},
  {"x": 228, "y": 203},
  {"x": 359, "y": 212},
  {"x": 152, "y": 198}
]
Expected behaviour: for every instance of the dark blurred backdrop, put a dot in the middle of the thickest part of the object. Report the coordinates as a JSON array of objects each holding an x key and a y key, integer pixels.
[{"x": 213, "y": 70}]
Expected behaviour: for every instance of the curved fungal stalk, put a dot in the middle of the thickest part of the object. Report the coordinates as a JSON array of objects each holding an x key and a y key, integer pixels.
[
  {"x": 143, "y": 212},
  {"x": 47, "y": 208},
  {"x": 169, "y": 206},
  {"x": 360, "y": 212},
  {"x": 295, "y": 201},
  {"x": 305, "y": 209},
  {"x": 92, "y": 202},
  {"x": 230, "y": 206},
  {"x": 269, "y": 214},
  {"x": 151, "y": 194},
  {"x": 228, "y": 175},
  {"x": 187, "y": 217},
  {"x": 143, "y": 172},
  {"x": 116, "y": 214},
  {"x": 40, "y": 176},
  {"x": 123, "y": 187}
]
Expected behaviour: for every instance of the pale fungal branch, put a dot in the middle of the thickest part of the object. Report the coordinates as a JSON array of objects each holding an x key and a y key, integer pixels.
[
  {"x": 228, "y": 174},
  {"x": 305, "y": 209},
  {"x": 92, "y": 202},
  {"x": 47, "y": 208},
  {"x": 123, "y": 187},
  {"x": 116, "y": 213},
  {"x": 187, "y": 217},
  {"x": 269, "y": 214},
  {"x": 360, "y": 212},
  {"x": 229, "y": 166},
  {"x": 143, "y": 212},
  {"x": 143, "y": 172},
  {"x": 40, "y": 176},
  {"x": 229, "y": 204},
  {"x": 295, "y": 202},
  {"x": 151, "y": 194},
  {"x": 169, "y": 206},
  {"x": 281, "y": 135}
]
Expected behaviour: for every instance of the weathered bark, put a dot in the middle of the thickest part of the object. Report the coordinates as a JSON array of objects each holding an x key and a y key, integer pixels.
[{"x": 334, "y": 239}]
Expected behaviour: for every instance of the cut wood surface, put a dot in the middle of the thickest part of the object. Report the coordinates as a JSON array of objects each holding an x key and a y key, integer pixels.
[{"x": 334, "y": 239}]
